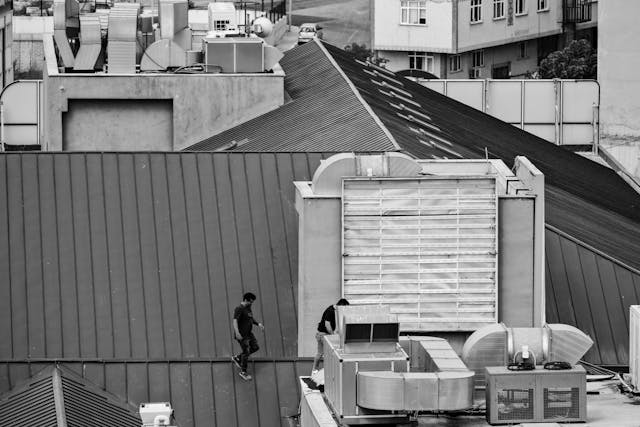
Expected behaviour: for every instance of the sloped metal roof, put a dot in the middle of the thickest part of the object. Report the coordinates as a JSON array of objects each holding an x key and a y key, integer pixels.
[
  {"x": 206, "y": 393},
  {"x": 125, "y": 267},
  {"x": 322, "y": 105},
  {"x": 59, "y": 398},
  {"x": 145, "y": 255}
]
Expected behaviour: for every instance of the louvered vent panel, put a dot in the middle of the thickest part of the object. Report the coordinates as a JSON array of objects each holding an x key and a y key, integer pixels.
[
  {"x": 425, "y": 247},
  {"x": 32, "y": 407},
  {"x": 104, "y": 411}
]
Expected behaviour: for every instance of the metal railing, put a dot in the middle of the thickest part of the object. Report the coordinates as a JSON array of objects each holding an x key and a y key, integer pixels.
[
  {"x": 576, "y": 11},
  {"x": 277, "y": 10}
]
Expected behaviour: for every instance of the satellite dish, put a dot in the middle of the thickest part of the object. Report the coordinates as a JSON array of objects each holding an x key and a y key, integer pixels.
[{"x": 262, "y": 27}]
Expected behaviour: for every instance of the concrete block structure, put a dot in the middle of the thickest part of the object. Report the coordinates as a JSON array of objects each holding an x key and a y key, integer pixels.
[
  {"x": 459, "y": 39},
  {"x": 155, "y": 111}
]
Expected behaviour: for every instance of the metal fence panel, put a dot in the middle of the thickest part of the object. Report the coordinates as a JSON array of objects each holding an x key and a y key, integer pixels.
[
  {"x": 468, "y": 92},
  {"x": 504, "y": 100}
]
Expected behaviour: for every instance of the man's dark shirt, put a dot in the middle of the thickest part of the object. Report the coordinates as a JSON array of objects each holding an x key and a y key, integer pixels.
[
  {"x": 244, "y": 316},
  {"x": 329, "y": 315}
]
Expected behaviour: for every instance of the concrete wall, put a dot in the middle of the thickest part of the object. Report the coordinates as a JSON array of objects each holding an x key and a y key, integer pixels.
[
  {"x": 505, "y": 54},
  {"x": 492, "y": 32},
  {"x": 109, "y": 121},
  {"x": 319, "y": 262},
  {"x": 203, "y": 104},
  {"x": 515, "y": 261},
  {"x": 619, "y": 67},
  {"x": 390, "y": 34},
  {"x": 399, "y": 60}
]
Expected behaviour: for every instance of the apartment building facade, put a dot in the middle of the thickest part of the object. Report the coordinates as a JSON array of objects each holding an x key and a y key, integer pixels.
[{"x": 459, "y": 39}]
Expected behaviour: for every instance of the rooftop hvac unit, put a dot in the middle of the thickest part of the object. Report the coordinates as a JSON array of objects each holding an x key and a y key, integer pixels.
[
  {"x": 539, "y": 395},
  {"x": 634, "y": 345},
  {"x": 234, "y": 55}
]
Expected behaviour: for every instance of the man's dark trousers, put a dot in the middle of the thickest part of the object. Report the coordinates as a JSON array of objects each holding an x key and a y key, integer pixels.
[{"x": 249, "y": 346}]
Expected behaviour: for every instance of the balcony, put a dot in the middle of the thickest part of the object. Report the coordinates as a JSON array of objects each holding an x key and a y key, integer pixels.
[{"x": 576, "y": 11}]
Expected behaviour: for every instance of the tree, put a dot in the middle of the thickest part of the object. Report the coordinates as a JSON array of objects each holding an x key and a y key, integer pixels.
[
  {"x": 361, "y": 52},
  {"x": 576, "y": 61}
]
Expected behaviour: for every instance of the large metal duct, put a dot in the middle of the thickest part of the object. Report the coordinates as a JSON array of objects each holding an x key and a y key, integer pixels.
[
  {"x": 121, "y": 47},
  {"x": 174, "y": 17},
  {"x": 90, "y": 43},
  {"x": 161, "y": 55},
  {"x": 447, "y": 386},
  {"x": 327, "y": 180},
  {"x": 60, "y": 32},
  {"x": 497, "y": 345}
]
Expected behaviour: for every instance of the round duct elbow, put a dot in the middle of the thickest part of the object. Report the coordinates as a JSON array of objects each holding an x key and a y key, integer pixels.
[
  {"x": 161, "y": 55},
  {"x": 497, "y": 345},
  {"x": 327, "y": 180}
]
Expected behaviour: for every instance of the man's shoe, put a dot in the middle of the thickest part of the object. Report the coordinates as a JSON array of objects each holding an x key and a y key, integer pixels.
[
  {"x": 245, "y": 376},
  {"x": 236, "y": 361}
]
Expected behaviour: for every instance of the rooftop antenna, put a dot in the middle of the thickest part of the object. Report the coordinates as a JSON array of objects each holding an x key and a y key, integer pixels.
[{"x": 486, "y": 153}]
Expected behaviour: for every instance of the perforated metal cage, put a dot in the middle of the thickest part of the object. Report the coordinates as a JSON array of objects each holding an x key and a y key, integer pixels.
[{"x": 535, "y": 396}]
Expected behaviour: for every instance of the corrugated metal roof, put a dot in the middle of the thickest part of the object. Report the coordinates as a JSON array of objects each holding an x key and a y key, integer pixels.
[
  {"x": 138, "y": 259},
  {"x": 146, "y": 255},
  {"x": 202, "y": 393},
  {"x": 57, "y": 397},
  {"x": 322, "y": 105}
]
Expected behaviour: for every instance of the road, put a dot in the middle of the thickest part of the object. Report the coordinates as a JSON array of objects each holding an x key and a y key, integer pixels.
[{"x": 343, "y": 21}]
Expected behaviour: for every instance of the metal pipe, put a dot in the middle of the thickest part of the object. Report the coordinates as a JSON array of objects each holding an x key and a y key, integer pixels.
[
  {"x": 596, "y": 128},
  {"x": 1, "y": 126}
]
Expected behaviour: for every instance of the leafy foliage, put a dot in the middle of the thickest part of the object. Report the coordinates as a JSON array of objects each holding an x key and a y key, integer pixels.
[{"x": 576, "y": 61}]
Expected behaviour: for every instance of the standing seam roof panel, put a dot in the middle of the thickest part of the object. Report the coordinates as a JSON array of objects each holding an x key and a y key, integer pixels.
[{"x": 151, "y": 253}]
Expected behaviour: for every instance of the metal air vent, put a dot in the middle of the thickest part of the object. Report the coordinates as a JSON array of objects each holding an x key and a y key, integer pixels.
[
  {"x": 90, "y": 43},
  {"x": 121, "y": 48},
  {"x": 568, "y": 344}
]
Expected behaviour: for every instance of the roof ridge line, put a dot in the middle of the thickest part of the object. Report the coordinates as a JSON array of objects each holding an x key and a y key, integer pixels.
[
  {"x": 58, "y": 398},
  {"x": 356, "y": 92}
]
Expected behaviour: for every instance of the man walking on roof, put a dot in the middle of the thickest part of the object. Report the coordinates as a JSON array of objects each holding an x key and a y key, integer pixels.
[
  {"x": 327, "y": 326},
  {"x": 243, "y": 321}
]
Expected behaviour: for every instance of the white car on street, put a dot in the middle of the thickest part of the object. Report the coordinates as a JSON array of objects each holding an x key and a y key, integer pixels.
[{"x": 308, "y": 32}]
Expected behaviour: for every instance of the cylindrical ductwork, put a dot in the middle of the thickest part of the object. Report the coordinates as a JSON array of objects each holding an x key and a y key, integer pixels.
[{"x": 497, "y": 345}]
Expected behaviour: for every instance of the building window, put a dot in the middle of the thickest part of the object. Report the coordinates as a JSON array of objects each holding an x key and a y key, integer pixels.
[
  {"x": 521, "y": 7},
  {"x": 414, "y": 12},
  {"x": 455, "y": 63},
  {"x": 477, "y": 59},
  {"x": 543, "y": 5},
  {"x": 420, "y": 61},
  {"x": 221, "y": 24},
  {"x": 522, "y": 50},
  {"x": 498, "y": 9},
  {"x": 476, "y": 10}
]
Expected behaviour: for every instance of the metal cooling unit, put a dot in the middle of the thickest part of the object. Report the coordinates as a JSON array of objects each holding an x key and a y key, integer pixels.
[{"x": 539, "y": 395}]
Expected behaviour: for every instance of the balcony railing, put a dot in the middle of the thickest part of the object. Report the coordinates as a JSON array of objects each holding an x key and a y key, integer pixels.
[{"x": 576, "y": 11}]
